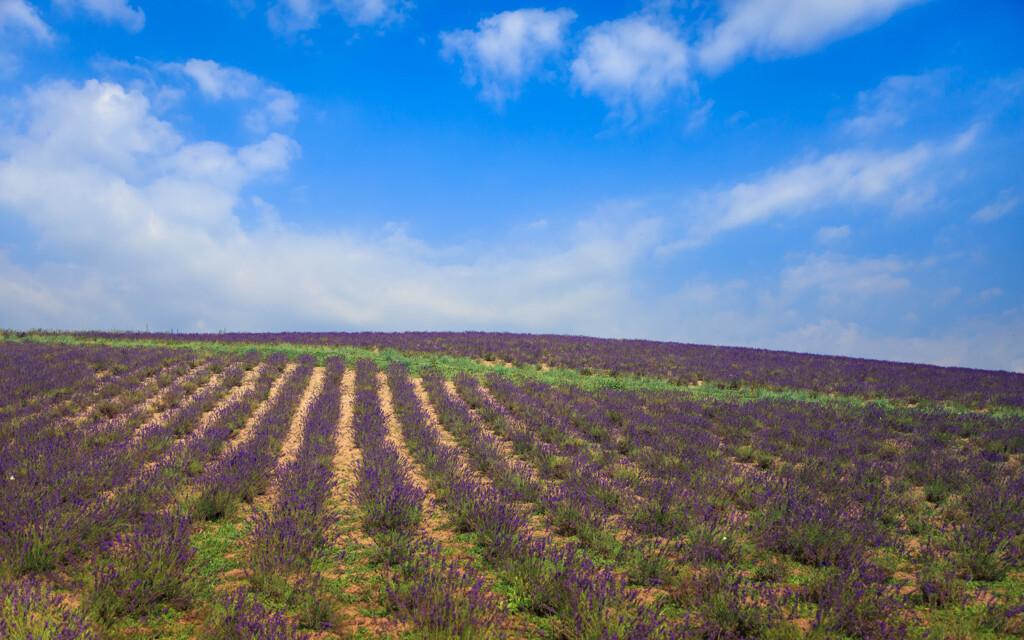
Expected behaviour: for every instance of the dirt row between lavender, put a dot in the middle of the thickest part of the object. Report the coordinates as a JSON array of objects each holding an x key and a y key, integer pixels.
[
  {"x": 159, "y": 418},
  {"x": 358, "y": 596},
  {"x": 293, "y": 440},
  {"x": 155, "y": 397},
  {"x": 434, "y": 521}
]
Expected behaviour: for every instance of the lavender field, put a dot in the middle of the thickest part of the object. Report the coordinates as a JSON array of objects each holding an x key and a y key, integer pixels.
[{"x": 491, "y": 485}]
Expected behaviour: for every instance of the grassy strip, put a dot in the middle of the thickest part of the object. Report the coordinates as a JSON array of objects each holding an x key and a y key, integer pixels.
[{"x": 449, "y": 366}]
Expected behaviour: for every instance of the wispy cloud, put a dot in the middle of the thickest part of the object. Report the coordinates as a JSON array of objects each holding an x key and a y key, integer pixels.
[
  {"x": 889, "y": 105},
  {"x": 769, "y": 29},
  {"x": 836, "y": 276},
  {"x": 111, "y": 11},
  {"x": 289, "y": 17},
  {"x": 275, "y": 107},
  {"x": 18, "y": 15},
  {"x": 896, "y": 180},
  {"x": 1005, "y": 204},
  {"x": 947, "y": 296},
  {"x": 827, "y": 235},
  {"x": 776, "y": 312},
  {"x": 699, "y": 116},
  {"x": 632, "y": 64},
  {"x": 507, "y": 49},
  {"x": 368, "y": 12},
  {"x": 846, "y": 177},
  {"x": 987, "y": 342},
  {"x": 217, "y": 82},
  {"x": 19, "y": 21}
]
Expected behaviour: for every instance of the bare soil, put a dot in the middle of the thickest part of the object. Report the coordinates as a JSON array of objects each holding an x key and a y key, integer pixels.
[
  {"x": 433, "y": 521},
  {"x": 293, "y": 441}
]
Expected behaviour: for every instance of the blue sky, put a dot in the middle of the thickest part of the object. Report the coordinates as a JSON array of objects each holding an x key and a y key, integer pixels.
[{"x": 837, "y": 177}]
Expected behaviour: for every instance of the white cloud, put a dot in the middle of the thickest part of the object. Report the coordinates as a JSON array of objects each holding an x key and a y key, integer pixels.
[
  {"x": 704, "y": 310},
  {"x": 273, "y": 154},
  {"x": 838, "y": 277},
  {"x": 281, "y": 106},
  {"x": 992, "y": 212},
  {"x": 893, "y": 179},
  {"x": 96, "y": 171},
  {"x": 989, "y": 294},
  {"x": 947, "y": 296},
  {"x": 292, "y": 16},
  {"x": 828, "y": 235},
  {"x": 632, "y": 64},
  {"x": 19, "y": 15},
  {"x": 99, "y": 125},
  {"x": 276, "y": 107},
  {"x": 890, "y": 104},
  {"x": 699, "y": 116},
  {"x": 989, "y": 343},
  {"x": 777, "y": 28},
  {"x": 111, "y": 11},
  {"x": 847, "y": 177},
  {"x": 217, "y": 82},
  {"x": 19, "y": 21},
  {"x": 147, "y": 223},
  {"x": 506, "y": 49},
  {"x": 367, "y": 12}
]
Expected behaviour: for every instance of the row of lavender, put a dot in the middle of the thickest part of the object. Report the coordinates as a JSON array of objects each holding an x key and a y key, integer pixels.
[
  {"x": 35, "y": 371},
  {"x": 50, "y": 415},
  {"x": 130, "y": 549},
  {"x": 647, "y": 527},
  {"x": 45, "y": 467},
  {"x": 49, "y": 384},
  {"x": 578, "y": 499},
  {"x": 147, "y": 567},
  {"x": 291, "y": 542},
  {"x": 420, "y": 581},
  {"x": 67, "y": 488},
  {"x": 141, "y": 563},
  {"x": 549, "y": 577},
  {"x": 682, "y": 363},
  {"x": 825, "y": 486},
  {"x": 238, "y": 475}
]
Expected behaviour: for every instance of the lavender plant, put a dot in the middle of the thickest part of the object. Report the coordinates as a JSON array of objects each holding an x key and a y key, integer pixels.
[
  {"x": 241, "y": 617},
  {"x": 441, "y": 599},
  {"x": 857, "y": 598},
  {"x": 145, "y": 571},
  {"x": 383, "y": 490},
  {"x": 241, "y": 476},
  {"x": 29, "y": 610}
]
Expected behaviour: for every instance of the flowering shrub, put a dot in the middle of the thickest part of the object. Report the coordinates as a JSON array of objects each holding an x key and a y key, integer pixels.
[{"x": 31, "y": 611}]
